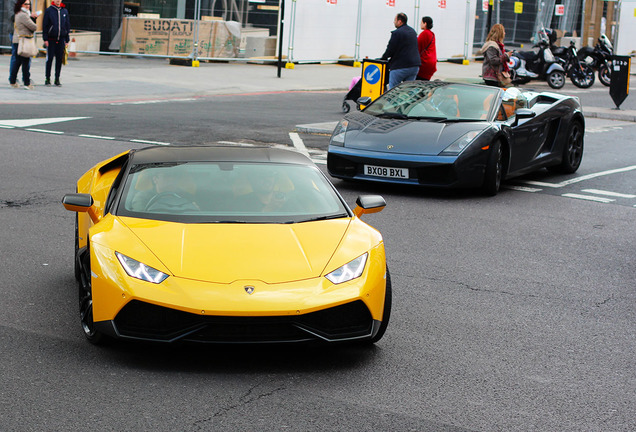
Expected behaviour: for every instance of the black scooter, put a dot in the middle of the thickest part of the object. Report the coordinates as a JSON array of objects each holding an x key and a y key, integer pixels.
[
  {"x": 599, "y": 58},
  {"x": 539, "y": 63}
]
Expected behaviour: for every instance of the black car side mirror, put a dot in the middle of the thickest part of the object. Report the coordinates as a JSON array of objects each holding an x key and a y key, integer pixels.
[{"x": 523, "y": 113}]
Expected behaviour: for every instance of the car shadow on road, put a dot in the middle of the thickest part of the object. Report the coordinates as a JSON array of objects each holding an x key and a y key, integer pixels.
[{"x": 228, "y": 358}]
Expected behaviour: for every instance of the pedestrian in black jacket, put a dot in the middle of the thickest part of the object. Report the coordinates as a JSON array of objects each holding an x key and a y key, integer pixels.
[
  {"x": 55, "y": 33},
  {"x": 402, "y": 52}
]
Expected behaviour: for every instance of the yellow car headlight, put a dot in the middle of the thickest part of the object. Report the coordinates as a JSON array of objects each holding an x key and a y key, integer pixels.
[
  {"x": 351, "y": 270},
  {"x": 140, "y": 270}
]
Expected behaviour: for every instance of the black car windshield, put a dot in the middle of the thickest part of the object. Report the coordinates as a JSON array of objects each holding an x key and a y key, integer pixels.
[
  {"x": 435, "y": 100},
  {"x": 229, "y": 192}
]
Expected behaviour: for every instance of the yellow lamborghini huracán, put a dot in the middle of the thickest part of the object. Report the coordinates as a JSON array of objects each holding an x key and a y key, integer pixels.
[{"x": 225, "y": 245}]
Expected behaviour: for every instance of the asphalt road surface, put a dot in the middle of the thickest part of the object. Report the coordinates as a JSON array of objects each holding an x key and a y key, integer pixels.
[{"x": 515, "y": 312}]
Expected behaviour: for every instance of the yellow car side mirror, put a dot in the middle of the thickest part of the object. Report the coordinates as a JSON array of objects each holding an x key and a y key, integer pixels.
[
  {"x": 82, "y": 203},
  {"x": 367, "y": 204}
]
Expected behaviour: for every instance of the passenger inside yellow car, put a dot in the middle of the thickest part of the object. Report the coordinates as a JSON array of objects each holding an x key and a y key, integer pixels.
[
  {"x": 168, "y": 189},
  {"x": 267, "y": 191}
]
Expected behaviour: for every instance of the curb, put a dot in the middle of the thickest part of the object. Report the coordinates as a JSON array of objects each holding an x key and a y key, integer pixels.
[{"x": 610, "y": 114}]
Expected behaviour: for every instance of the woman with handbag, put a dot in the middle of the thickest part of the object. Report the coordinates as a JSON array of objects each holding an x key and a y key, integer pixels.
[
  {"x": 24, "y": 43},
  {"x": 428, "y": 52},
  {"x": 495, "y": 70}
]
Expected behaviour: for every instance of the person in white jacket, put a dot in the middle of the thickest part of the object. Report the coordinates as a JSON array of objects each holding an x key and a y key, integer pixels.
[{"x": 24, "y": 26}]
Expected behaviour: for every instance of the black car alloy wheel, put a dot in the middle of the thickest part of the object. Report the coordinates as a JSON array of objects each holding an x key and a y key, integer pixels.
[{"x": 574, "y": 151}]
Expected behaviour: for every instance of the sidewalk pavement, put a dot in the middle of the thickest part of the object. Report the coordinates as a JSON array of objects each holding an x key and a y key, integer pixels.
[{"x": 112, "y": 79}]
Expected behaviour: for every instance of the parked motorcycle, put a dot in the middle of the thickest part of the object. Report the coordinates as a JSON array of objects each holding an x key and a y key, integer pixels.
[
  {"x": 599, "y": 58},
  {"x": 580, "y": 73},
  {"x": 539, "y": 63}
]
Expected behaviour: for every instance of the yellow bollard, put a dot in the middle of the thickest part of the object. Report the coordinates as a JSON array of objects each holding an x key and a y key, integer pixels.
[{"x": 195, "y": 63}]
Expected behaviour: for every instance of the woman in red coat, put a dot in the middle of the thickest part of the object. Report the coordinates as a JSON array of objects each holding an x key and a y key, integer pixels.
[{"x": 428, "y": 53}]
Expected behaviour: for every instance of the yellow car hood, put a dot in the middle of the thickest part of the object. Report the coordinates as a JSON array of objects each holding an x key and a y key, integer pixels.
[{"x": 224, "y": 253}]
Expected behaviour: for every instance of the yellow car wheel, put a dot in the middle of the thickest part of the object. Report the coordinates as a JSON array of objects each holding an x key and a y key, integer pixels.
[
  {"x": 386, "y": 314},
  {"x": 86, "y": 301}
]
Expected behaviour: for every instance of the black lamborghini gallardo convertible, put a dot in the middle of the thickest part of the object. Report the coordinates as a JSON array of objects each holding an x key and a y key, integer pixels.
[{"x": 441, "y": 134}]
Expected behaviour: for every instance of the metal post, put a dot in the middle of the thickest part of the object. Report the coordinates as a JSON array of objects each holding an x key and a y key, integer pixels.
[
  {"x": 292, "y": 34},
  {"x": 583, "y": 43},
  {"x": 617, "y": 14},
  {"x": 466, "y": 33},
  {"x": 498, "y": 4},
  {"x": 195, "y": 42},
  {"x": 416, "y": 15},
  {"x": 356, "y": 56},
  {"x": 279, "y": 33}
]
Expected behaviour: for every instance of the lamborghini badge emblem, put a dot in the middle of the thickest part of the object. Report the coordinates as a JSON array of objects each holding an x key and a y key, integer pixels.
[
  {"x": 249, "y": 289},
  {"x": 390, "y": 146}
]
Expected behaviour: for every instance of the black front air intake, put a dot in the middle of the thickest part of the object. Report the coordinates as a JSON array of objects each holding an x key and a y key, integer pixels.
[{"x": 151, "y": 322}]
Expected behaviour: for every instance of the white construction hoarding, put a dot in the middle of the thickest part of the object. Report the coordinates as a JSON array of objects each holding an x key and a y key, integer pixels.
[{"x": 327, "y": 29}]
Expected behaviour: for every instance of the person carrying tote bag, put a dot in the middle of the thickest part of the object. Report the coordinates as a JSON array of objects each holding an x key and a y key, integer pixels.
[
  {"x": 26, "y": 47},
  {"x": 24, "y": 28}
]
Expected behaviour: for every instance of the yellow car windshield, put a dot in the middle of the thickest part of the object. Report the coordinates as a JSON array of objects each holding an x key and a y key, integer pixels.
[{"x": 206, "y": 192}]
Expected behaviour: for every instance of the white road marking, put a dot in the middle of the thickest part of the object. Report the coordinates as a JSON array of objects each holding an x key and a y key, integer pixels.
[
  {"x": 150, "y": 142},
  {"x": 542, "y": 184},
  {"x": 37, "y": 122},
  {"x": 522, "y": 188},
  {"x": 298, "y": 143},
  {"x": 45, "y": 131},
  {"x": 608, "y": 193},
  {"x": 6, "y": 127},
  {"x": 588, "y": 198},
  {"x": 580, "y": 179},
  {"x": 603, "y": 129},
  {"x": 97, "y": 137}
]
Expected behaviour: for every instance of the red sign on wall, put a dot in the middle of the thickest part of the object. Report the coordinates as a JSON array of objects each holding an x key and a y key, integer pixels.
[
  {"x": 390, "y": 3},
  {"x": 441, "y": 4},
  {"x": 332, "y": 1},
  {"x": 559, "y": 10}
]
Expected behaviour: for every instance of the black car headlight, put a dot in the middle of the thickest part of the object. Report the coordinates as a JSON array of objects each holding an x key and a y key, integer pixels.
[
  {"x": 338, "y": 135},
  {"x": 140, "y": 270},
  {"x": 460, "y": 144}
]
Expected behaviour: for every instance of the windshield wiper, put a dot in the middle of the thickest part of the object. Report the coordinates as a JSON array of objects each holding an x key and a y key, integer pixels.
[
  {"x": 321, "y": 218},
  {"x": 459, "y": 120},
  {"x": 436, "y": 118},
  {"x": 393, "y": 116}
]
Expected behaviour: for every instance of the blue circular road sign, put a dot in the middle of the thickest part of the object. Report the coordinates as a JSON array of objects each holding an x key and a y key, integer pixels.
[{"x": 372, "y": 74}]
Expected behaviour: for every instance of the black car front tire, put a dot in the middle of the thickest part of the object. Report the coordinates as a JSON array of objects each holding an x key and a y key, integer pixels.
[{"x": 494, "y": 170}]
